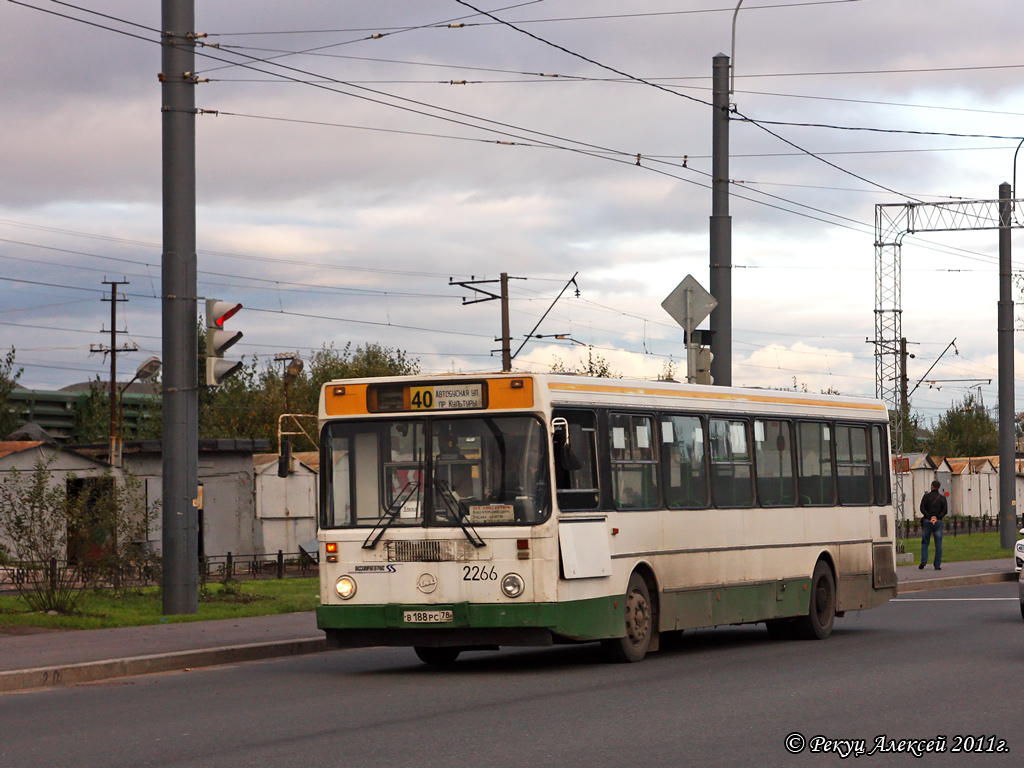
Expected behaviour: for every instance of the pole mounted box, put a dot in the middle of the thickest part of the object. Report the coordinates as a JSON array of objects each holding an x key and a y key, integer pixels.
[{"x": 218, "y": 340}]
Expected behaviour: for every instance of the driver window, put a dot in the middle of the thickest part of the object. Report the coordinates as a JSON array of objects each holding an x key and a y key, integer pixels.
[{"x": 457, "y": 462}]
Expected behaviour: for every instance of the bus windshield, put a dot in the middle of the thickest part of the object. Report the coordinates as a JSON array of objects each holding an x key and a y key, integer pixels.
[{"x": 477, "y": 471}]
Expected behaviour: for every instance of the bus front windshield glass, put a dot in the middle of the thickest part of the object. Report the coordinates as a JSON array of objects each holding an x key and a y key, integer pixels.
[{"x": 480, "y": 471}]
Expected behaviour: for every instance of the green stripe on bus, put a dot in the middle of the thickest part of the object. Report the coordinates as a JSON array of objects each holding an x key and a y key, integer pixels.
[
  {"x": 737, "y": 604},
  {"x": 590, "y": 619},
  {"x": 579, "y": 619}
]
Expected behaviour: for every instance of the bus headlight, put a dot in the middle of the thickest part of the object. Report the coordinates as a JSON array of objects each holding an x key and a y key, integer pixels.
[
  {"x": 345, "y": 586},
  {"x": 512, "y": 585}
]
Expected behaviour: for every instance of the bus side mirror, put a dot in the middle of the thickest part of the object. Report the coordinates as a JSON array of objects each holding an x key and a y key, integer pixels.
[{"x": 569, "y": 440}]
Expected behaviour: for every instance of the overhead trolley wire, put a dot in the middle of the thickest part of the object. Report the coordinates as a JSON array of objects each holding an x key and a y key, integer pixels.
[
  {"x": 377, "y": 34},
  {"x": 601, "y": 17},
  {"x": 685, "y": 96}
]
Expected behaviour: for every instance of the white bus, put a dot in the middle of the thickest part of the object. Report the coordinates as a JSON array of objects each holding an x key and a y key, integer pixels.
[{"x": 471, "y": 512}]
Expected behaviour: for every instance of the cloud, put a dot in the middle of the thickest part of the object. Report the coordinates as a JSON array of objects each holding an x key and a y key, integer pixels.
[{"x": 346, "y": 221}]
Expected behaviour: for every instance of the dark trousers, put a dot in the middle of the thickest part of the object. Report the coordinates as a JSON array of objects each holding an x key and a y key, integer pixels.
[{"x": 928, "y": 530}]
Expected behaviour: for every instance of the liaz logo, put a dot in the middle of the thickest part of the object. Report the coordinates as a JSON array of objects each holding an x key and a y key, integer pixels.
[{"x": 376, "y": 569}]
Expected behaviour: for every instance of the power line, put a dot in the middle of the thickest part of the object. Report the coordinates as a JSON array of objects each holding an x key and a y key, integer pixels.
[
  {"x": 686, "y": 96},
  {"x": 575, "y": 149},
  {"x": 581, "y": 56},
  {"x": 878, "y": 130},
  {"x": 389, "y": 30},
  {"x": 378, "y": 34},
  {"x": 272, "y": 283}
]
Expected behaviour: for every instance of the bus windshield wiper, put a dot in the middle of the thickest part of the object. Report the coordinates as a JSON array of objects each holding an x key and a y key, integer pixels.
[
  {"x": 457, "y": 509},
  {"x": 390, "y": 514}
]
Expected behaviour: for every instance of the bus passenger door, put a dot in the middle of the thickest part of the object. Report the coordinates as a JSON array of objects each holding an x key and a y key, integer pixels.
[{"x": 575, "y": 446}]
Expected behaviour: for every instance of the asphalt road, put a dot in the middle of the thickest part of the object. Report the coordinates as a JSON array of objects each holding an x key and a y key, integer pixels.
[{"x": 943, "y": 663}]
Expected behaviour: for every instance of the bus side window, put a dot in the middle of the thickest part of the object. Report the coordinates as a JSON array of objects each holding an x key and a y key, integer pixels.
[
  {"x": 853, "y": 467},
  {"x": 732, "y": 473},
  {"x": 634, "y": 458},
  {"x": 816, "y": 480},
  {"x": 773, "y": 450},
  {"x": 576, "y": 473},
  {"x": 686, "y": 471}
]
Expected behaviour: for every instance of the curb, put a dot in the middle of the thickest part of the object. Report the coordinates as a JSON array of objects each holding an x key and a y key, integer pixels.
[
  {"x": 93, "y": 671},
  {"x": 921, "y": 585}
]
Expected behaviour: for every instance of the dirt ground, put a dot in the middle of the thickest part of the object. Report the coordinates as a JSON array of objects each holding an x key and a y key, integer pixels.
[{"x": 15, "y": 630}]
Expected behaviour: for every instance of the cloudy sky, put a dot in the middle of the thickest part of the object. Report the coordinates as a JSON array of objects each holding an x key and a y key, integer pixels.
[{"x": 364, "y": 153}]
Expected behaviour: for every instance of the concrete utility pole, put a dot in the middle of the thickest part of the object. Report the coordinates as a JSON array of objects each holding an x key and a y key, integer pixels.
[
  {"x": 180, "y": 347},
  {"x": 1007, "y": 419},
  {"x": 506, "y": 333},
  {"x": 721, "y": 228}
]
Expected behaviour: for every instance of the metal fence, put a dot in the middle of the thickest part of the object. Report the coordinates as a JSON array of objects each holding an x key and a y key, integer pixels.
[
  {"x": 270, "y": 566},
  {"x": 953, "y": 526},
  {"x": 281, "y": 565}
]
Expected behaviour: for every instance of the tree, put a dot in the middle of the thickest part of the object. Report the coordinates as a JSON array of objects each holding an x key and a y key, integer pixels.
[
  {"x": 66, "y": 533},
  {"x": 92, "y": 416},
  {"x": 668, "y": 371},
  {"x": 249, "y": 403},
  {"x": 965, "y": 430},
  {"x": 595, "y": 365},
  {"x": 8, "y": 380},
  {"x": 910, "y": 428}
]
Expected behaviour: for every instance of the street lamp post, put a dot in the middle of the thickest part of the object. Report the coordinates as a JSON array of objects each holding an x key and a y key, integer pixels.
[
  {"x": 146, "y": 371},
  {"x": 291, "y": 373}
]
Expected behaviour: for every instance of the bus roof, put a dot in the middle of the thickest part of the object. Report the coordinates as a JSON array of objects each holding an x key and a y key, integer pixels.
[{"x": 538, "y": 391}]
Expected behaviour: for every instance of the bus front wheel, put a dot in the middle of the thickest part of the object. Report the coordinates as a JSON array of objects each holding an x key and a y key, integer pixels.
[
  {"x": 437, "y": 657},
  {"x": 817, "y": 624},
  {"x": 639, "y": 615}
]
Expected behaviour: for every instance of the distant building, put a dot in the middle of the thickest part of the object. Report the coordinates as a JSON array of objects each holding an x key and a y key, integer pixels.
[
  {"x": 23, "y": 456},
  {"x": 227, "y": 507},
  {"x": 286, "y": 507},
  {"x": 54, "y": 411}
]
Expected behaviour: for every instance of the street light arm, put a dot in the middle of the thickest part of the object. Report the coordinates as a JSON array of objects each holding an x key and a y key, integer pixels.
[
  {"x": 732, "y": 54},
  {"x": 1013, "y": 190}
]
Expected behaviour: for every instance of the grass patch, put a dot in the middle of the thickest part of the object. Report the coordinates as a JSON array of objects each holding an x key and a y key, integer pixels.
[
  {"x": 958, "y": 549},
  {"x": 101, "y": 609}
]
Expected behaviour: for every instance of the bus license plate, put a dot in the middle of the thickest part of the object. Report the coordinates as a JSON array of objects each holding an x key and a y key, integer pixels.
[{"x": 427, "y": 617}]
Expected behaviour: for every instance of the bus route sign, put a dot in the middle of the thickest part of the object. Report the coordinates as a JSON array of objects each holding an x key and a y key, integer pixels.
[{"x": 446, "y": 397}]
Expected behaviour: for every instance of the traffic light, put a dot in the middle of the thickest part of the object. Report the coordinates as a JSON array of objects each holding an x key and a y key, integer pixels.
[
  {"x": 704, "y": 358},
  {"x": 218, "y": 340}
]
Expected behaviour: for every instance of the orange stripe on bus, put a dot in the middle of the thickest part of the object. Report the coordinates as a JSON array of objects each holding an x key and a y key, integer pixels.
[
  {"x": 347, "y": 400},
  {"x": 604, "y": 389}
]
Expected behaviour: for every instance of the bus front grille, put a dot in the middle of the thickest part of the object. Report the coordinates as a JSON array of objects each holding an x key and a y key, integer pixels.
[{"x": 436, "y": 551}]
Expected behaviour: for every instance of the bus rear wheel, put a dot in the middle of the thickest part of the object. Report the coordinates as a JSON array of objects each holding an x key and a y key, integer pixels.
[
  {"x": 639, "y": 624},
  {"x": 817, "y": 624},
  {"x": 437, "y": 657}
]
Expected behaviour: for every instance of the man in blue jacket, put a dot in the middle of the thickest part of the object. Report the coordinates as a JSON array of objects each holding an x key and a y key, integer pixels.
[{"x": 933, "y": 509}]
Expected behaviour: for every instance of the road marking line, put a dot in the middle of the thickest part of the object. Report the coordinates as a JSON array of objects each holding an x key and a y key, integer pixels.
[{"x": 949, "y": 599}]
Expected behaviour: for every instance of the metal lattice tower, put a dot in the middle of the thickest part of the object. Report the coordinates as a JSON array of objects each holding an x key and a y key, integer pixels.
[{"x": 892, "y": 222}]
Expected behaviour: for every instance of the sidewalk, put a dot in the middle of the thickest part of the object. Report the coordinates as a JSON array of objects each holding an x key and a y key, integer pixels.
[
  {"x": 914, "y": 579},
  {"x": 82, "y": 656},
  {"x": 69, "y": 658}
]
